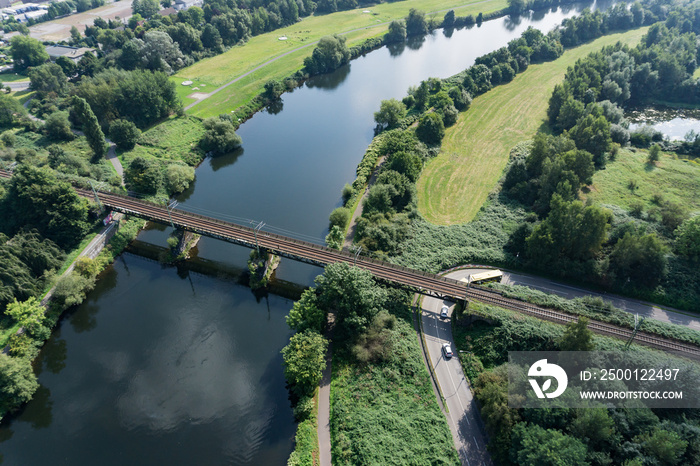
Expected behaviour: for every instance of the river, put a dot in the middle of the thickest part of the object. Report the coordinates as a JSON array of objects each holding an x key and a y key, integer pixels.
[{"x": 165, "y": 366}]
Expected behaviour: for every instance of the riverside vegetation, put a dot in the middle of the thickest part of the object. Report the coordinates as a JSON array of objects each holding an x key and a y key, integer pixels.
[
  {"x": 623, "y": 250},
  {"x": 591, "y": 436},
  {"x": 383, "y": 409}
]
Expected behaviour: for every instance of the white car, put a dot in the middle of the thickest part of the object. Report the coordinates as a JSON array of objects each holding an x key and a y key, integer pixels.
[
  {"x": 443, "y": 312},
  {"x": 447, "y": 350}
]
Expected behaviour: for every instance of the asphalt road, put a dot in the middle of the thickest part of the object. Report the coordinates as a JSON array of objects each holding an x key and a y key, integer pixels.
[
  {"x": 463, "y": 416},
  {"x": 644, "y": 309}
]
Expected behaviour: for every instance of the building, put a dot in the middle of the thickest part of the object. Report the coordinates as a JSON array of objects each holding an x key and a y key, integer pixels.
[
  {"x": 185, "y": 4},
  {"x": 73, "y": 53}
]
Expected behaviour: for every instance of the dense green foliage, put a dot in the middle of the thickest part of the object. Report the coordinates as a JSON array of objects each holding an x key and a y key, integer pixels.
[
  {"x": 564, "y": 435},
  {"x": 27, "y": 52},
  {"x": 220, "y": 136},
  {"x": 330, "y": 53},
  {"x": 36, "y": 199},
  {"x": 304, "y": 361},
  {"x": 24, "y": 260},
  {"x": 124, "y": 134},
  {"x": 87, "y": 119},
  {"x": 17, "y": 382}
]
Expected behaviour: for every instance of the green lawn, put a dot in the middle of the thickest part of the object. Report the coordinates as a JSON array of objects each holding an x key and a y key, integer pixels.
[
  {"x": 454, "y": 185},
  {"x": 237, "y": 61},
  {"x": 676, "y": 180},
  {"x": 12, "y": 77}
]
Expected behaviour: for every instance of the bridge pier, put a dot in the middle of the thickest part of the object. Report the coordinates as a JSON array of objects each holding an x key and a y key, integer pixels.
[
  {"x": 186, "y": 240},
  {"x": 261, "y": 266}
]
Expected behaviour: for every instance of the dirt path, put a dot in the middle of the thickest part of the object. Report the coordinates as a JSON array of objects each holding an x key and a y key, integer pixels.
[
  {"x": 324, "y": 402},
  {"x": 358, "y": 210}
]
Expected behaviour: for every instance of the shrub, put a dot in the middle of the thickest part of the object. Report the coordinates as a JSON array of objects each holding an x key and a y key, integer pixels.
[
  {"x": 340, "y": 217},
  {"x": 220, "y": 137},
  {"x": 430, "y": 129},
  {"x": 178, "y": 178},
  {"x": 57, "y": 127},
  {"x": 124, "y": 134}
]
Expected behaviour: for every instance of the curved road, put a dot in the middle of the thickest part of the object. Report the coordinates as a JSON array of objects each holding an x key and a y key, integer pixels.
[{"x": 463, "y": 416}]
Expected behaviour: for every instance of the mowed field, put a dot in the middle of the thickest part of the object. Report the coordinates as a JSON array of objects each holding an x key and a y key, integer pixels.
[
  {"x": 454, "y": 185},
  {"x": 288, "y": 55}
]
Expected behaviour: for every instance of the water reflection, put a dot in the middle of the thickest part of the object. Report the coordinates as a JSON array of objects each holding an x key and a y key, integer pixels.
[
  {"x": 222, "y": 161},
  {"x": 329, "y": 81},
  {"x": 396, "y": 49},
  {"x": 416, "y": 42},
  {"x": 53, "y": 355},
  {"x": 673, "y": 123},
  {"x": 275, "y": 107}
]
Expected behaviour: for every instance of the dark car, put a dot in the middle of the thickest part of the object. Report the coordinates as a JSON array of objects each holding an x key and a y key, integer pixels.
[{"x": 447, "y": 350}]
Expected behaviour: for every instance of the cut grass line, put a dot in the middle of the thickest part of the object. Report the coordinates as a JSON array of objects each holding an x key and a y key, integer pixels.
[{"x": 455, "y": 184}]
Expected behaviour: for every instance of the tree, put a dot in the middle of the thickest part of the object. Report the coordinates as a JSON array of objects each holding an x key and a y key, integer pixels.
[
  {"x": 666, "y": 447},
  {"x": 211, "y": 38},
  {"x": 592, "y": 134},
  {"x": 448, "y": 20},
  {"x": 577, "y": 337},
  {"x": 570, "y": 231},
  {"x": 515, "y": 7},
  {"x": 535, "y": 446},
  {"x": 10, "y": 109},
  {"x": 160, "y": 53},
  {"x": 390, "y": 114},
  {"x": 178, "y": 178},
  {"x": 124, "y": 134},
  {"x": 306, "y": 314},
  {"x": 304, "y": 361},
  {"x": 353, "y": 294},
  {"x": 397, "y": 32},
  {"x": 340, "y": 217},
  {"x": 36, "y": 199},
  {"x": 187, "y": 37},
  {"x": 30, "y": 315},
  {"x": 654, "y": 153},
  {"x": 330, "y": 53},
  {"x": 146, "y": 8},
  {"x": 48, "y": 79},
  {"x": 57, "y": 127},
  {"x": 416, "y": 23},
  {"x": 220, "y": 136},
  {"x": 67, "y": 66},
  {"x": 143, "y": 176},
  {"x": 430, "y": 129},
  {"x": 17, "y": 382},
  {"x": 91, "y": 128},
  {"x": 688, "y": 238},
  {"x": 27, "y": 52},
  {"x": 640, "y": 258},
  {"x": 407, "y": 163}
]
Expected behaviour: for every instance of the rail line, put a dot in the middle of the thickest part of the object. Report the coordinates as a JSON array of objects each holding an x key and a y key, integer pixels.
[{"x": 421, "y": 282}]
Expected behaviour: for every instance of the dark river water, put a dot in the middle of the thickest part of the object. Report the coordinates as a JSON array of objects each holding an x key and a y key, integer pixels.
[{"x": 162, "y": 366}]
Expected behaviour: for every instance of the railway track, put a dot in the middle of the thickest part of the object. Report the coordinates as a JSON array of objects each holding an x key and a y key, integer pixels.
[{"x": 423, "y": 282}]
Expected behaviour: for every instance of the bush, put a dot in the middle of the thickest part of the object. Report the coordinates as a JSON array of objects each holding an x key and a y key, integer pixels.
[
  {"x": 124, "y": 134},
  {"x": 430, "y": 129},
  {"x": 340, "y": 217},
  {"x": 57, "y": 127},
  {"x": 220, "y": 137},
  {"x": 143, "y": 176},
  {"x": 178, "y": 178}
]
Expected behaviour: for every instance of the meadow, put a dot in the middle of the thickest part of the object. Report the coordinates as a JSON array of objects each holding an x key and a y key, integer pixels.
[
  {"x": 356, "y": 25},
  {"x": 454, "y": 185}
]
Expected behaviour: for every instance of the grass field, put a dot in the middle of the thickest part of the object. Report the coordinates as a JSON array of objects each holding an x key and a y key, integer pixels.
[
  {"x": 454, "y": 185},
  {"x": 12, "y": 77},
  {"x": 173, "y": 140},
  {"x": 676, "y": 180},
  {"x": 216, "y": 71}
]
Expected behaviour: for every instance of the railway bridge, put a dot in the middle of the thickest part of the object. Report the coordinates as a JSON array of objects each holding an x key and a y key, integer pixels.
[{"x": 420, "y": 282}]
